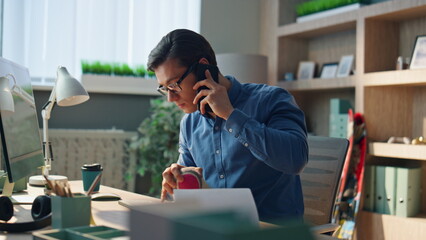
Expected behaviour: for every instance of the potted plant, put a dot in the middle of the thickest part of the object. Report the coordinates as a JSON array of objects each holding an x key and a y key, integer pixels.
[
  {"x": 140, "y": 71},
  {"x": 315, "y": 6},
  {"x": 117, "y": 78},
  {"x": 156, "y": 146}
]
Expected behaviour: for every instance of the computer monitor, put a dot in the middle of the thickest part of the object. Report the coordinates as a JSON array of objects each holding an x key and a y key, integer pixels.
[{"x": 21, "y": 145}]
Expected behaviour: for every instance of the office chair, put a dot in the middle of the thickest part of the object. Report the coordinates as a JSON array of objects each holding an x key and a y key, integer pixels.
[{"x": 320, "y": 180}]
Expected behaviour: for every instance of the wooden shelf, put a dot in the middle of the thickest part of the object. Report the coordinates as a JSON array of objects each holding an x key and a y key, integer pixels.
[
  {"x": 381, "y": 226},
  {"x": 318, "y": 84},
  {"x": 395, "y": 10},
  {"x": 402, "y": 77},
  {"x": 317, "y": 27},
  {"x": 398, "y": 150},
  {"x": 392, "y": 101},
  {"x": 391, "y": 11}
]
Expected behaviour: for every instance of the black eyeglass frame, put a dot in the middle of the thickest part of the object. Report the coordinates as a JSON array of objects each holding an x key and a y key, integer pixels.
[{"x": 164, "y": 89}]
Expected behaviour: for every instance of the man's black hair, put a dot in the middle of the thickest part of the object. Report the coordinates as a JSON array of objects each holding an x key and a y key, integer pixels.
[{"x": 184, "y": 45}]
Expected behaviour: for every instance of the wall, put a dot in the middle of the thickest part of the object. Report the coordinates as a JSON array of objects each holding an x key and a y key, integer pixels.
[
  {"x": 102, "y": 111},
  {"x": 231, "y": 26}
]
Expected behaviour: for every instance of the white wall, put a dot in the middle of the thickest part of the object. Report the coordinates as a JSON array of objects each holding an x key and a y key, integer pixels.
[{"x": 231, "y": 26}]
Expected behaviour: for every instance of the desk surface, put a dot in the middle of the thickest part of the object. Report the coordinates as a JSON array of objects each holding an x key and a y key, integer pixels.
[{"x": 108, "y": 213}]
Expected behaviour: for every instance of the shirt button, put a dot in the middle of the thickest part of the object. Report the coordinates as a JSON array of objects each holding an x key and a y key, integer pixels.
[
  {"x": 217, "y": 151},
  {"x": 216, "y": 128},
  {"x": 230, "y": 130},
  {"x": 221, "y": 176},
  {"x": 246, "y": 144}
]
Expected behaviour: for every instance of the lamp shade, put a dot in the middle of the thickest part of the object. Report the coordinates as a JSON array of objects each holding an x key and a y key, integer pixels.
[
  {"x": 69, "y": 91},
  {"x": 247, "y": 68},
  {"x": 6, "y": 100}
]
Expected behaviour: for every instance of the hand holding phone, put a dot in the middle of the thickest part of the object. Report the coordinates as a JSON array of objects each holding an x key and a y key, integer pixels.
[{"x": 200, "y": 72}]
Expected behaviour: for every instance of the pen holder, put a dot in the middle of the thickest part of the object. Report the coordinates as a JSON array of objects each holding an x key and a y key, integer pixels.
[{"x": 71, "y": 211}]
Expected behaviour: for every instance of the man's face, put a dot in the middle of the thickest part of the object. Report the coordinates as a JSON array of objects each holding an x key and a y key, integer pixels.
[{"x": 170, "y": 72}]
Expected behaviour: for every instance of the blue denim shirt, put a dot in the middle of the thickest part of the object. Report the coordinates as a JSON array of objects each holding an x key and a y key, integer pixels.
[{"x": 262, "y": 146}]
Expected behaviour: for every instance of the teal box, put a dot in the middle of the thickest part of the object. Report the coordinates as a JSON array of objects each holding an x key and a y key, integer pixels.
[
  {"x": 339, "y": 106},
  {"x": 339, "y": 119},
  {"x": 71, "y": 211},
  {"x": 338, "y": 125},
  {"x": 339, "y": 134},
  {"x": 408, "y": 188}
]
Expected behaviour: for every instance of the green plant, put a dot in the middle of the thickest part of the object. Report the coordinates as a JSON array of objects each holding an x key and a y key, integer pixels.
[
  {"x": 321, "y": 5},
  {"x": 126, "y": 70},
  {"x": 151, "y": 74},
  {"x": 85, "y": 67},
  {"x": 156, "y": 146},
  {"x": 96, "y": 68},
  {"x": 118, "y": 69},
  {"x": 140, "y": 71}
]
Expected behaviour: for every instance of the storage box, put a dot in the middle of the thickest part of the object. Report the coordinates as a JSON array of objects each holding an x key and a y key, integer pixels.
[
  {"x": 339, "y": 106},
  {"x": 71, "y": 211}
]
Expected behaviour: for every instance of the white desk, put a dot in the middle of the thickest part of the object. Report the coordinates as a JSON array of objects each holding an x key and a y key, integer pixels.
[{"x": 107, "y": 213}]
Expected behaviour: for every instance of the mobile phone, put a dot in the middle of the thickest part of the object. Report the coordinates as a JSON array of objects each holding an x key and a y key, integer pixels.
[{"x": 201, "y": 69}]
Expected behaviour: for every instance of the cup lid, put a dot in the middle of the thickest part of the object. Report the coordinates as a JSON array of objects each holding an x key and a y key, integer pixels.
[{"x": 92, "y": 167}]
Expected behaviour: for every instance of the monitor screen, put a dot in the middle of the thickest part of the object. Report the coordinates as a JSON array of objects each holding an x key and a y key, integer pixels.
[{"x": 21, "y": 145}]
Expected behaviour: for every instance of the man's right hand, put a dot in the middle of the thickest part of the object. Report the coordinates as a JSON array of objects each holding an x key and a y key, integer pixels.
[{"x": 172, "y": 175}]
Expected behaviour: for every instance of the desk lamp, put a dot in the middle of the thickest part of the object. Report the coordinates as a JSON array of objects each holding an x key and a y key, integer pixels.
[
  {"x": 6, "y": 100},
  {"x": 66, "y": 92}
]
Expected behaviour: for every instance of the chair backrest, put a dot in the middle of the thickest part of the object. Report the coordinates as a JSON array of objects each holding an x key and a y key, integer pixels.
[{"x": 321, "y": 177}]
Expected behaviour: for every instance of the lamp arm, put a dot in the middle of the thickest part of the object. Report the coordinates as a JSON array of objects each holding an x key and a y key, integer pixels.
[
  {"x": 45, "y": 114},
  {"x": 23, "y": 95}
]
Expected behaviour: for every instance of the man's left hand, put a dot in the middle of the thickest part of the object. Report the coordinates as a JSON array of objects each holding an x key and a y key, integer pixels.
[{"x": 216, "y": 97}]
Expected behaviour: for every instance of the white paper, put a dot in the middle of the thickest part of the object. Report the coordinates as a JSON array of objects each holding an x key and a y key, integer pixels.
[{"x": 238, "y": 199}]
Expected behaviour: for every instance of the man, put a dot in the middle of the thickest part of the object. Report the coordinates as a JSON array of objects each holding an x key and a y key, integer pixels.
[{"x": 255, "y": 136}]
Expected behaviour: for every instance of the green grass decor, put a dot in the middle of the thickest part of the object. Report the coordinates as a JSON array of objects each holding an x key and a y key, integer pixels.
[{"x": 315, "y": 6}]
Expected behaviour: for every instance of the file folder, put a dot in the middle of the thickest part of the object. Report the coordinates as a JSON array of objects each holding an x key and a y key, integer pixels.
[
  {"x": 369, "y": 186},
  {"x": 408, "y": 191},
  {"x": 385, "y": 190}
]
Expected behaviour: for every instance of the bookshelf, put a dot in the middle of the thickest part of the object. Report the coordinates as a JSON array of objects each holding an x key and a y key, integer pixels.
[{"x": 393, "y": 101}]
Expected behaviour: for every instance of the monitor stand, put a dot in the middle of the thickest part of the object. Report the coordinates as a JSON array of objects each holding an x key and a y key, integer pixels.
[
  {"x": 8, "y": 188},
  {"x": 16, "y": 198}
]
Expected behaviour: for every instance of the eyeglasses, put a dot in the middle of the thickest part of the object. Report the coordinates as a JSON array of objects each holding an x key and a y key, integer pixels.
[{"x": 175, "y": 87}]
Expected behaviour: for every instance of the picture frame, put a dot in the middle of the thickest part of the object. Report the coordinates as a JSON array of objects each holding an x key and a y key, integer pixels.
[
  {"x": 306, "y": 70},
  {"x": 418, "y": 57},
  {"x": 345, "y": 66},
  {"x": 329, "y": 70}
]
